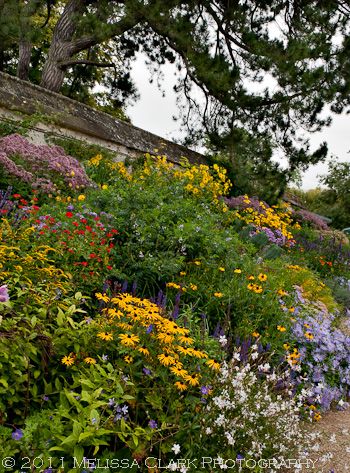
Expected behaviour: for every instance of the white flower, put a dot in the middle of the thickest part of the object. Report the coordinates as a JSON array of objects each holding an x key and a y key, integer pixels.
[
  {"x": 223, "y": 340},
  {"x": 176, "y": 448}
]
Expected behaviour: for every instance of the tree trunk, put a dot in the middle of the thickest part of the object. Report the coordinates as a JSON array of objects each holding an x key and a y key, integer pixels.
[
  {"x": 60, "y": 50},
  {"x": 25, "y": 52}
]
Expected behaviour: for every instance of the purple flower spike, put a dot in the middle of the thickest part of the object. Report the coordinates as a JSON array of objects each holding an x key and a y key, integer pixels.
[{"x": 153, "y": 424}]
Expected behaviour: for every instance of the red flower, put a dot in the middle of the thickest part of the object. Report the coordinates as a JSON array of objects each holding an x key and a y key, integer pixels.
[
  {"x": 92, "y": 255},
  {"x": 109, "y": 267},
  {"x": 83, "y": 220},
  {"x": 35, "y": 207},
  {"x": 16, "y": 196},
  {"x": 69, "y": 214},
  {"x": 84, "y": 263},
  {"x": 76, "y": 224}
]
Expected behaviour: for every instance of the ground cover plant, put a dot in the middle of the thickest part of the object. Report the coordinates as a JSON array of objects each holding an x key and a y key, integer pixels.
[{"x": 149, "y": 313}]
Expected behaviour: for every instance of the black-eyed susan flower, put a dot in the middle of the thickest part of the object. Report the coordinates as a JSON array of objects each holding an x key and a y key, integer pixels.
[
  {"x": 213, "y": 364},
  {"x": 105, "y": 336},
  {"x": 102, "y": 297},
  {"x": 128, "y": 339},
  {"x": 128, "y": 359},
  {"x": 90, "y": 361},
  {"x": 250, "y": 286},
  {"x": 166, "y": 338},
  {"x": 218, "y": 294},
  {"x": 280, "y": 328},
  {"x": 178, "y": 371},
  {"x": 308, "y": 335},
  {"x": 144, "y": 350},
  {"x": 251, "y": 278},
  {"x": 257, "y": 289},
  {"x": 186, "y": 339},
  {"x": 166, "y": 359},
  {"x": 193, "y": 379},
  {"x": 180, "y": 386},
  {"x": 68, "y": 360},
  {"x": 262, "y": 277}
]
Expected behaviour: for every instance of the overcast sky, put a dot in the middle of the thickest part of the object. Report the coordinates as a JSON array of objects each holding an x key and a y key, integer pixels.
[{"x": 154, "y": 113}]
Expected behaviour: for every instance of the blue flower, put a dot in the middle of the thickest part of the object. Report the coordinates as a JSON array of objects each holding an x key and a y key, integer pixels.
[
  {"x": 153, "y": 424},
  {"x": 17, "y": 434}
]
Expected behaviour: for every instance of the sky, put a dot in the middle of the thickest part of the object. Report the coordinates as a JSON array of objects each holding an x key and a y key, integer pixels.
[{"x": 154, "y": 112}]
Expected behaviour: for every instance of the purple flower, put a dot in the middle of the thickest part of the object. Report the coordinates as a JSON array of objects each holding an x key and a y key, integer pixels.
[
  {"x": 146, "y": 371},
  {"x": 17, "y": 434},
  {"x": 153, "y": 424},
  {"x": 45, "y": 398},
  {"x": 4, "y": 295},
  {"x": 205, "y": 390}
]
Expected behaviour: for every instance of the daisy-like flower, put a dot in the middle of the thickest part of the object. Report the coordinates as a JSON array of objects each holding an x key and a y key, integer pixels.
[
  {"x": 178, "y": 371},
  {"x": 105, "y": 336},
  {"x": 186, "y": 339},
  {"x": 218, "y": 294},
  {"x": 184, "y": 351},
  {"x": 197, "y": 263},
  {"x": 68, "y": 360},
  {"x": 102, "y": 297},
  {"x": 143, "y": 350},
  {"x": 90, "y": 361},
  {"x": 282, "y": 292},
  {"x": 221, "y": 269},
  {"x": 308, "y": 335},
  {"x": 280, "y": 328},
  {"x": 237, "y": 271},
  {"x": 255, "y": 334},
  {"x": 166, "y": 359},
  {"x": 128, "y": 359},
  {"x": 128, "y": 339},
  {"x": 257, "y": 289},
  {"x": 213, "y": 364},
  {"x": 180, "y": 386},
  {"x": 250, "y": 286},
  {"x": 197, "y": 353},
  {"x": 251, "y": 278},
  {"x": 262, "y": 277},
  {"x": 166, "y": 338},
  {"x": 193, "y": 379}
]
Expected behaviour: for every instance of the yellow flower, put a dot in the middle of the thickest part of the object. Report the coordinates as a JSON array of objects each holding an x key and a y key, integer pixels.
[
  {"x": 81, "y": 197},
  {"x": 193, "y": 379},
  {"x": 257, "y": 289},
  {"x": 213, "y": 364},
  {"x": 102, "y": 297},
  {"x": 237, "y": 271},
  {"x": 281, "y": 328},
  {"x": 178, "y": 371},
  {"x": 193, "y": 287},
  {"x": 308, "y": 335},
  {"x": 255, "y": 334},
  {"x": 186, "y": 339},
  {"x": 251, "y": 286},
  {"x": 222, "y": 269},
  {"x": 282, "y": 292},
  {"x": 286, "y": 346},
  {"x": 197, "y": 263},
  {"x": 317, "y": 417},
  {"x": 129, "y": 340},
  {"x": 104, "y": 187},
  {"x": 143, "y": 350},
  {"x": 180, "y": 386},
  {"x": 173, "y": 284},
  {"x": 68, "y": 360},
  {"x": 90, "y": 361},
  {"x": 262, "y": 277},
  {"x": 166, "y": 360},
  {"x": 218, "y": 294},
  {"x": 166, "y": 338},
  {"x": 292, "y": 309},
  {"x": 183, "y": 273},
  {"x": 251, "y": 278},
  {"x": 105, "y": 336},
  {"x": 128, "y": 359}
]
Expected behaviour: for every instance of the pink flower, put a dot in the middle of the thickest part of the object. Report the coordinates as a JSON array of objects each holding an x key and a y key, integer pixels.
[{"x": 4, "y": 295}]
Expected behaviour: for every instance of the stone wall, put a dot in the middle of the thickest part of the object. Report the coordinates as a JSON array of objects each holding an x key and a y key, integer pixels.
[{"x": 64, "y": 117}]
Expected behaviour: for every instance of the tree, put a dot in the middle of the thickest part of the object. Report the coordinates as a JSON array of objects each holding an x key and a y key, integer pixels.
[
  {"x": 266, "y": 67},
  {"x": 338, "y": 196}
]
